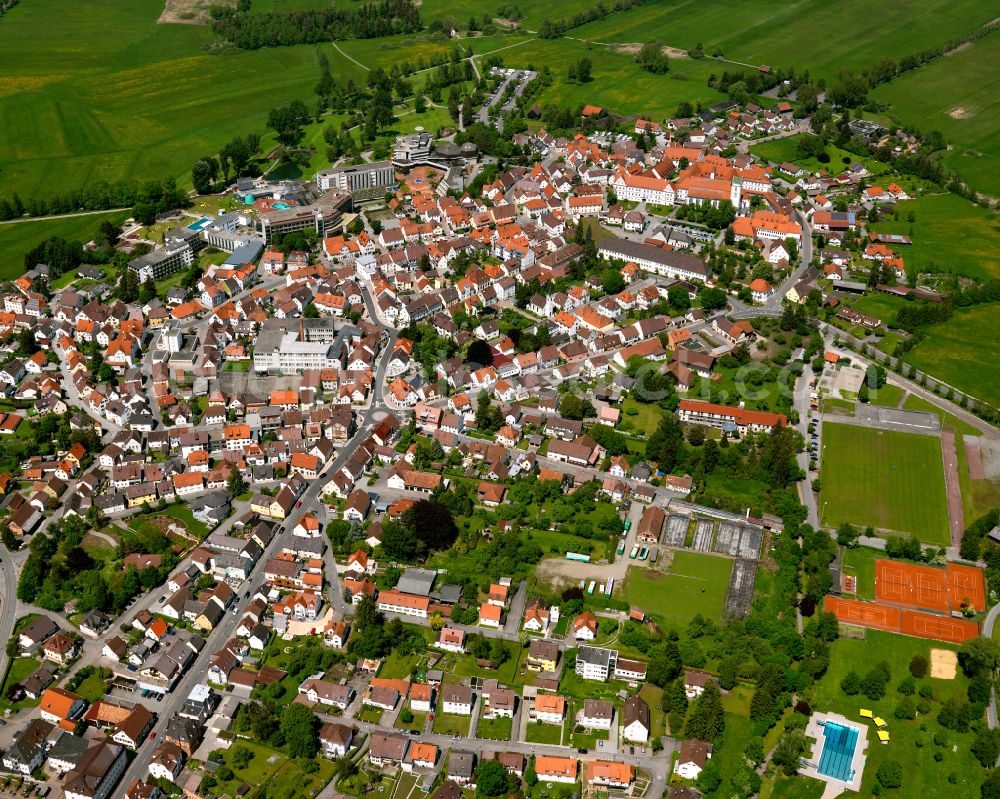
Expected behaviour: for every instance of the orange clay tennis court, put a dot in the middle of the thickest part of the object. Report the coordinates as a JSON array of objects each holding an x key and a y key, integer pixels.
[
  {"x": 864, "y": 614},
  {"x": 906, "y": 622},
  {"x": 966, "y": 584},
  {"x": 940, "y": 628},
  {"x": 911, "y": 585}
]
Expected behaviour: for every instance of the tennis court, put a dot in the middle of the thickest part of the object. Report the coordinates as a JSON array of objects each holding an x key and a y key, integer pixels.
[
  {"x": 911, "y": 585},
  {"x": 938, "y": 628},
  {"x": 966, "y": 584},
  {"x": 907, "y": 622},
  {"x": 864, "y": 614}
]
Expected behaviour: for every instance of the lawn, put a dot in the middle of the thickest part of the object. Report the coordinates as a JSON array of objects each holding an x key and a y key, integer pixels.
[
  {"x": 539, "y": 733},
  {"x": 419, "y": 719},
  {"x": 779, "y": 151},
  {"x": 17, "y": 238},
  {"x": 451, "y": 724},
  {"x": 465, "y": 666},
  {"x": 853, "y": 33},
  {"x": 883, "y": 479},
  {"x": 283, "y": 776},
  {"x": 958, "y": 95},
  {"x": 653, "y": 697},
  {"x": 745, "y": 491},
  {"x": 397, "y": 666},
  {"x": 19, "y": 669},
  {"x": 640, "y": 417},
  {"x": 371, "y": 714},
  {"x": 696, "y": 583},
  {"x": 554, "y": 542},
  {"x": 949, "y": 234},
  {"x": 882, "y": 306},
  {"x": 794, "y": 788},
  {"x": 860, "y": 563},
  {"x": 912, "y": 741},
  {"x": 92, "y": 688},
  {"x": 498, "y": 729},
  {"x": 888, "y": 396},
  {"x": 954, "y": 351}
]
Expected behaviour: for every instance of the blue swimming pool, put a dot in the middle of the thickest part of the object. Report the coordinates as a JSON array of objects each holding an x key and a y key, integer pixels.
[
  {"x": 838, "y": 751},
  {"x": 280, "y": 206},
  {"x": 201, "y": 223}
]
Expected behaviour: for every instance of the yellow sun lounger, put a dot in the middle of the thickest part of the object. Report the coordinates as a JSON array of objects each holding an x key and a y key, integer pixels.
[
  {"x": 883, "y": 736},
  {"x": 879, "y": 722},
  {"x": 866, "y": 714}
]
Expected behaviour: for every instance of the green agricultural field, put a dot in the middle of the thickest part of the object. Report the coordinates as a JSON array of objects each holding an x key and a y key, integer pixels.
[
  {"x": 949, "y": 234},
  {"x": 959, "y": 95},
  {"x": 888, "y": 480},
  {"x": 955, "y": 351},
  {"x": 101, "y": 92},
  {"x": 913, "y": 742},
  {"x": 696, "y": 583},
  {"x": 822, "y": 38},
  {"x": 16, "y": 238},
  {"x": 617, "y": 83}
]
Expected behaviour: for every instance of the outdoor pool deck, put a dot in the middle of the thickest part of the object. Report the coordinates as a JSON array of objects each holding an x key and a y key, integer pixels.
[{"x": 839, "y": 751}]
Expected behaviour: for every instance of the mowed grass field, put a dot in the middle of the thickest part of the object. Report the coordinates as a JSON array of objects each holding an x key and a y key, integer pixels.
[
  {"x": 959, "y": 95},
  {"x": 949, "y": 234},
  {"x": 912, "y": 742},
  {"x": 19, "y": 237},
  {"x": 820, "y": 37},
  {"x": 696, "y": 584},
  {"x": 888, "y": 480},
  {"x": 960, "y": 351}
]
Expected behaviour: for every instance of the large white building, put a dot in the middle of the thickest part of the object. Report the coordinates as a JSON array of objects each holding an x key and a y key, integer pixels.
[
  {"x": 361, "y": 177},
  {"x": 668, "y": 263}
]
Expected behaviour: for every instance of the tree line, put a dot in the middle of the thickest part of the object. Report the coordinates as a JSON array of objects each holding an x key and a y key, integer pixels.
[
  {"x": 249, "y": 31},
  {"x": 550, "y": 29},
  {"x": 150, "y": 197}
]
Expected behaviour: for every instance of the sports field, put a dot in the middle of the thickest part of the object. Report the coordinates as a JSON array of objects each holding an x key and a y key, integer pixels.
[
  {"x": 958, "y": 95},
  {"x": 889, "y": 480},
  {"x": 696, "y": 584}
]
